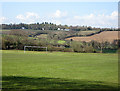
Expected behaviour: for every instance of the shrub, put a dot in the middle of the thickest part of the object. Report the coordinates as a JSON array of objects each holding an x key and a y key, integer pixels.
[{"x": 68, "y": 50}]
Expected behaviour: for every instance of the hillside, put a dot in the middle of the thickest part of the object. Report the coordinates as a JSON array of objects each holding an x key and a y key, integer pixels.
[{"x": 109, "y": 36}]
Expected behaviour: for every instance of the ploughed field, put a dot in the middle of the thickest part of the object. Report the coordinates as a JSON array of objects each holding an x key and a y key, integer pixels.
[
  {"x": 109, "y": 36},
  {"x": 58, "y": 70}
]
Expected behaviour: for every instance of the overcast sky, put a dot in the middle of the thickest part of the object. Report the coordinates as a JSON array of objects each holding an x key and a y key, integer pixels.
[{"x": 95, "y": 14}]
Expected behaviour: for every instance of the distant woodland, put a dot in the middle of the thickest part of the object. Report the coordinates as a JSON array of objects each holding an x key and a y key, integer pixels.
[{"x": 51, "y": 26}]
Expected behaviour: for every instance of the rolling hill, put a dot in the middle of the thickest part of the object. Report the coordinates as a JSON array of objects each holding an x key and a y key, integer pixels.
[{"x": 109, "y": 36}]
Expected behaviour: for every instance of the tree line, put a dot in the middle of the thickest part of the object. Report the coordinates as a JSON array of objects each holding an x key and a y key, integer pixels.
[{"x": 51, "y": 26}]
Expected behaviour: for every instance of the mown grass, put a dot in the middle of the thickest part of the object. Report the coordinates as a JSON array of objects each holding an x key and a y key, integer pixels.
[{"x": 59, "y": 70}]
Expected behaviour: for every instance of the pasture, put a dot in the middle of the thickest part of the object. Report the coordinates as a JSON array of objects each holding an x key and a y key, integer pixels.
[
  {"x": 58, "y": 70},
  {"x": 87, "y": 32}
]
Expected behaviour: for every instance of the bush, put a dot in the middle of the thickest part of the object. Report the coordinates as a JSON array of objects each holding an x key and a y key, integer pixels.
[
  {"x": 52, "y": 48},
  {"x": 89, "y": 49},
  {"x": 68, "y": 50}
]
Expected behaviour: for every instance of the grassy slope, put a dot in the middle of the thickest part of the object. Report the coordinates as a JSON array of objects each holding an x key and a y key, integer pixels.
[
  {"x": 87, "y": 32},
  {"x": 36, "y": 70}
]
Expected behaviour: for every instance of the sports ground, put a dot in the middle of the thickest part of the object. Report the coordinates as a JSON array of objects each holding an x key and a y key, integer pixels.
[{"x": 58, "y": 70}]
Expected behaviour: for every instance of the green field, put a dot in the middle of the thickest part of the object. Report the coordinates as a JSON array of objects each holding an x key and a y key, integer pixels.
[
  {"x": 58, "y": 70},
  {"x": 5, "y": 30},
  {"x": 61, "y": 41}
]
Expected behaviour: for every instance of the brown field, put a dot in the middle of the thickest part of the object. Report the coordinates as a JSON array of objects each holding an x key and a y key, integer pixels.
[
  {"x": 87, "y": 32},
  {"x": 109, "y": 36}
]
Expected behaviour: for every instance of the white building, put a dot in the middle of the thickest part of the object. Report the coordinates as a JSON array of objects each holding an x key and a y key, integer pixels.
[
  {"x": 23, "y": 27},
  {"x": 42, "y": 28},
  {"x": 67, "y": 29},
  {"x": 58, "y": 29}
]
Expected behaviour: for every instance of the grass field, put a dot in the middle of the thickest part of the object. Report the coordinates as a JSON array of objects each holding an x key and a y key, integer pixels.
[
  {"x": 58, "y": 70},
  {"x": 87, "y": 32},
  {"x": 61, "y": 41},
  {"x": 5, "y": 30}
]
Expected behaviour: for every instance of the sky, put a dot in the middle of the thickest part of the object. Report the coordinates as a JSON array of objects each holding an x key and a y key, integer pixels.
[{"x": 95, "y": 14}]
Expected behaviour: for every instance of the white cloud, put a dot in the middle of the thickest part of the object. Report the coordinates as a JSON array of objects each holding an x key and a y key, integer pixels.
[
  {"x": 100, "y": 20},
  {"x": 62, "y": 17},
  {"x": 20, "y": 17},
  {"x": 94, "y": 20},
  {"x": 56, "y": 17},
  {"x": 59, "y": 14},
  {"x": 28, "y": 17},
  {"x": 56, "y": 22},
  {"x": 31, "y": 14},
  {"x": 2, "y": 19},
  {"x": 114, "y": 13}
]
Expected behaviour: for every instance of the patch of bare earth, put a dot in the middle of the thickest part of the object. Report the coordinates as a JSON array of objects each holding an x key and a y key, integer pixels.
[{"x": 109, "y": 36}]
